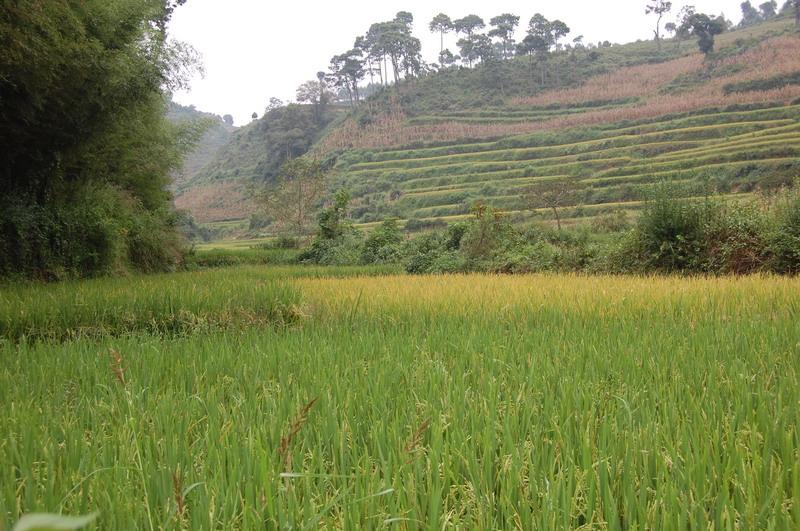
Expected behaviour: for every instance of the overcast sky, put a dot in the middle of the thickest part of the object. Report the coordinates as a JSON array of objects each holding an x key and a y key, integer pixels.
[{"x": 256, "y": 49}]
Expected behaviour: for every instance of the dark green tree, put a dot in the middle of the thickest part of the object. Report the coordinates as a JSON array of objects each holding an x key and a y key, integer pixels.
[
  {"x": 394, "y": 42},
  {"x": 705, "y": 28},
  {"x": 333, "y": 220},
  {"x": 468, "y": 25},
  {"x": 750, "y": 14},
  {"x": 558, "y": 30},
  {"x": 441, "y": 24},
  {"x": 477, "y": 47},
  {"x": 539, "y": 40},
  {"x": 503, "y": 29},
  {"x": 87, "y": 152},
  {"x": 347, "y": 71},
  {"x": 768, "y": 9}
]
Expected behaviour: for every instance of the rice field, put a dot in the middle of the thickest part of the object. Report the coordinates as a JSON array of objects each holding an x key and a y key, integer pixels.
[
  {"x": 349, "y": 398},
  {"x": 739, "y": 150}
]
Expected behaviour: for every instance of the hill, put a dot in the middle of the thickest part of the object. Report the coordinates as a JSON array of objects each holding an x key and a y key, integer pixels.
[
  {"x": 607, "y": 120},
  {"x": 217, "y": 134},
  {"x": 223, "y": 167},
  {"x": 728, "y": 124}
]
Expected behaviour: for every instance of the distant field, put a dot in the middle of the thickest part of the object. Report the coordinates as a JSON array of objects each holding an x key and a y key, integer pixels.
[
  {"x": 288, "y": 398},
  {"x": 727, "y": 151}
]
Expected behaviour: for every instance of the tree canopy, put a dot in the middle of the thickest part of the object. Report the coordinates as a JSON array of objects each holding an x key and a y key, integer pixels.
[
  {"x": 87, "y": 151},
  {"x": 705, "y": 28}
]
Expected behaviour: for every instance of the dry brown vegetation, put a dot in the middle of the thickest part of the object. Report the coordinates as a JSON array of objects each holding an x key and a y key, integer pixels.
[
  {"x": 629, "y": 82},
  {"x": 774, "y": 57},
  {"x": 216, "y": 202}
]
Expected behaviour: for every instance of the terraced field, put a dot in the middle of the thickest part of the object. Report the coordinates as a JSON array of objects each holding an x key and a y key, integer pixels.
[{"x": 732, "y": 151}]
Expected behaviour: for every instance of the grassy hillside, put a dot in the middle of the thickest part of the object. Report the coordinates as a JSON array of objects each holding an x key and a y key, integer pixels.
[
  {"x": 216, "y": 136},
  {"x": 728, "y": 125},
  {"x": 730, "y": 150},
  {"x": 218, "y": 189},
  {"x": 612, "y": 119}
]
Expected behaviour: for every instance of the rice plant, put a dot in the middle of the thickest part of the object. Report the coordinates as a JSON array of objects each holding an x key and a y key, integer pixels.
[{"x": 473, "y": 402}]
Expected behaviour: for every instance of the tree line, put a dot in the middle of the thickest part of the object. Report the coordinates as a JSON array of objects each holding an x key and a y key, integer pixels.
[{"x": 388, "y": 52}]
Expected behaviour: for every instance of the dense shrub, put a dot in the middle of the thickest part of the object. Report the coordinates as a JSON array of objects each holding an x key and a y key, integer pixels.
[
  {"x": 669, "y": 235},
  {"x": 713, "y": 237},
  {"x": 784, "y": 235},
  {"x": 382, "y": 246},
  {"x": 672, "y": 235},
  {"x": 91, "y": 230}
]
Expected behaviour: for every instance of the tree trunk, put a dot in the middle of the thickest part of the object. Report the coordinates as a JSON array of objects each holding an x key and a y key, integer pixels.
[
  {"x": 395, "y": 68},
  {"x": 558, "y": 218},
  {"x": 797, "y": 13},
  {"x": 658, "y": 31},
  {"x": 530, "y": 69}
]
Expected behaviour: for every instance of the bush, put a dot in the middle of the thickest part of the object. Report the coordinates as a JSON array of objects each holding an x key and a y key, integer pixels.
[
  {"x": 93, "y": 230},
  {"x": 784, "y": 235},
  {"x": 735, "y": 240},
  {"x": 423, "y": 251},
  {"x": 382, "y": 246},
  {"x": 669, "y": 234},
  {"x": 153, "y": 245},
  {"x": 711, "y": 237}
]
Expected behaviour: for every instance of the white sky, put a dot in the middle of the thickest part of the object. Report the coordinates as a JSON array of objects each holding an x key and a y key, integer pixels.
[{"x": 255, "y": 49}]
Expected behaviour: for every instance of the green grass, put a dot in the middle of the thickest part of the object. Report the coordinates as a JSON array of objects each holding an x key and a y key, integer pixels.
[
  {"x": 472, "y": 402},
  {"x": 170, "y": 304},
  {"x": 240, "y": 254}
]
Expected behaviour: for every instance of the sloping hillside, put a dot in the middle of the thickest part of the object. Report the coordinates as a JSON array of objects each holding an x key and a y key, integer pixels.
[
  {"x": 218, "y": 188},
  {"x": 605, "y": 122},
  {"x": 728, "y": 124},
  {"x": 217, "y": 134}
]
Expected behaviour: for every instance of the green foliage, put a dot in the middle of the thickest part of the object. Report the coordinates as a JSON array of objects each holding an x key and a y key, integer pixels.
[
  {"x": 784, "y": 236},
  {"x": 670, "y": 233},
  {"x": 705, "y": 28},
  {"x": 257, "y": 152},
  {"x": 382, "y": 245},
  {"x": 674, "y": 235},
  {"x": 87, "y": 152},
  {"x": 336, "y": 242}
]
